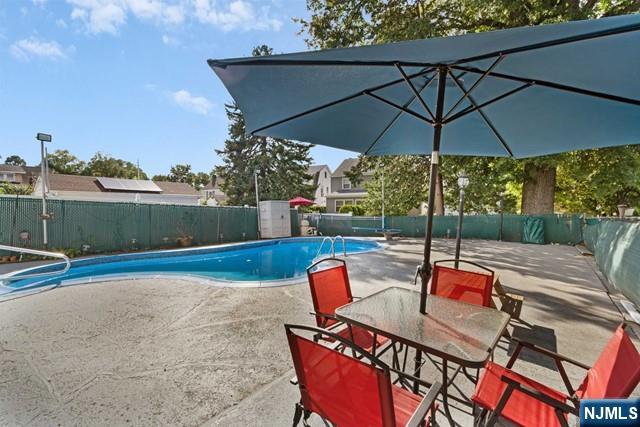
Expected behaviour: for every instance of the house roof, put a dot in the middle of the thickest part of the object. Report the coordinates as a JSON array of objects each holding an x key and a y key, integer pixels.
[
  {"x": 12, "y": 168},
  {"x": 314, "y": 169},
  {"x": 61, "y": 182},
  {"x": 347, "y": 165}
]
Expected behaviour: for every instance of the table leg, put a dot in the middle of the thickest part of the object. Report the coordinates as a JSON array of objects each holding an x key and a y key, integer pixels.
[{"x": 416, "y": 370}]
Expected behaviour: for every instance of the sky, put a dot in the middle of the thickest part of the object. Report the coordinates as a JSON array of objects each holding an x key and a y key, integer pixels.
[{"x": 129, "y": 77}]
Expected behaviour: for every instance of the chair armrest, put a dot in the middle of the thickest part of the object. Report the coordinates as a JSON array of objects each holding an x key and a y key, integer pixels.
[
  {"x": 328, "y": 316},
  {"x": 544, "y": 351},
  {"x": 515, "y": 385},
  {"x": 427, "y": 403}
]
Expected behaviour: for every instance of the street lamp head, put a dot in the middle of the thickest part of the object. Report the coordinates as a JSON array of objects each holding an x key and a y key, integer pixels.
[
  {"x": 463, "y": 180},
  {"x": 43, "y": 137},
  {"x": 257, "y": 171}
]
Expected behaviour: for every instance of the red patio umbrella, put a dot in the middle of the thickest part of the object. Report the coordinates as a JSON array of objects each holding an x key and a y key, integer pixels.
[{"x": 300, "y": 201}]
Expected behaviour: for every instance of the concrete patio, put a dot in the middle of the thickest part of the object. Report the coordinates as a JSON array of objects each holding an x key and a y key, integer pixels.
[{"x": 171, "y": 351}]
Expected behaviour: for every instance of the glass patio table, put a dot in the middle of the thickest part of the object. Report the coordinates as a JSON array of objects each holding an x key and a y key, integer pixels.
[{"x": 455, "y": 331}]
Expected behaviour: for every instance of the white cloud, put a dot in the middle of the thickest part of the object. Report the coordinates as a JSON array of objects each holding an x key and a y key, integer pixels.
[
  {"x": 169, "y": 41},
  {"x": 60, "y": 23},
  {"x": 239, "y": 14},
  {"x": 38, "y": 2},
  {"x": 195, "y": 104},
  {"x": 27, "y": 49},
  {"x": 106, "y": 16}
]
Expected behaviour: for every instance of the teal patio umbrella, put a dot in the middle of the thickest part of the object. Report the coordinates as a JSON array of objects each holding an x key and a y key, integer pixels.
[{"x": 520, "y": 92}]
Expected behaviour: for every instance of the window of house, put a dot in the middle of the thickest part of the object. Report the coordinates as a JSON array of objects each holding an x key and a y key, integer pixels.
[
  {"x": 322, "y": 192},
  {"x": 346, "y": 184},
  {"x": 325, "y": 174},
  {"x": 359, "y": 201}
]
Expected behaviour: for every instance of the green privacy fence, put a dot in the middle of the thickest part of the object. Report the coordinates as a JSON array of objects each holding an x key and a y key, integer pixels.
[
  {"x": 107, "y": 227},
  {"x": 564, "y": 229},
  {"x": 616, "y": 247}
]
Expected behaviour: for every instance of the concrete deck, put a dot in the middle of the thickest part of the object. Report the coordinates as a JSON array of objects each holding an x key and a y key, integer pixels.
[{"x": 159, "y": 352}]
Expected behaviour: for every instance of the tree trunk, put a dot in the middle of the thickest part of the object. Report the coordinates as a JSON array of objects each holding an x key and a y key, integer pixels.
[
  {"x": 538, "y": 189},
  {"x": 438, "y": 208}
]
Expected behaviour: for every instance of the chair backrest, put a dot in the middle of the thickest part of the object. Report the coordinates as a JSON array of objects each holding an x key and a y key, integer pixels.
[
  {"x": 462, "y": 285},
  {"x": 329, "y": 287},
  {"x": 341, "y": 389},
  {"x": 616, "y": 373}
]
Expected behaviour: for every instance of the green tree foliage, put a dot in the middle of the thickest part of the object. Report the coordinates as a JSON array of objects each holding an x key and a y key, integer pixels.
[
  {"x": 597, "y": 181},
  {"x": 345, "y": 23},
  {"x": 104, "y": 165},
  {"x": 352, "y": 209},
  {"x": 184, "y": 173},
  {"x": 15, "y": 160},
  {"x": 22, "y": 190},
  {"x": 62, "y": 161},
  {"x": 282, "y": 164}
]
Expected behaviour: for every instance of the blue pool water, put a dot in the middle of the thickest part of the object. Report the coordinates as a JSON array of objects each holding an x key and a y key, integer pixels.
[{"x": 267, "y": 261}]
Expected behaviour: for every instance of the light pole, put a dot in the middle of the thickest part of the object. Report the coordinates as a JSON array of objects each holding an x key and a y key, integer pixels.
[
  {"x": 43, "y": 137},
  {"x": 501, "y": 210},
  {"x": 255, "y": 177},
  {"x": 463, "y": 181}
]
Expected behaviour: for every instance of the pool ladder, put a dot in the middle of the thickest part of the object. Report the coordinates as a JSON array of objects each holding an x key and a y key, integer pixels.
[
  {"x": 332, "y": 240},
  {"x": 12, "y": 276}
]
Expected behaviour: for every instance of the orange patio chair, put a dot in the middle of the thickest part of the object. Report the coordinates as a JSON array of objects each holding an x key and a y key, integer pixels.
[
  {"x": 462, "y": 285},
  {"x": 350, "y": 392},
  {"x": 330, "y": 289},
  {"x": 501, "y": 392}
]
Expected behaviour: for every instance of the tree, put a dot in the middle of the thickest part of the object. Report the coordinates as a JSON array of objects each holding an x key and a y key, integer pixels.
[
  {"x": 22, "y": 190},
  {"x": 160, "y": 178},
  {"x": 181, "y": 173},
  {"x": 282, "y": 164},
  {"x": 597, "y": 181},
  {"x": 345, "y": 23},
  {"x": 15, "y": 160},
  {"x": 104, "y": 165},
  {"x": 62, "y": 161}
]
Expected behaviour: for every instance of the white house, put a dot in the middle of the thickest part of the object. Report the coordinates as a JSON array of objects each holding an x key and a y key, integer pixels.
[
  {"x": 101, "y": 189},
  {"x": 321, "y": 180}
]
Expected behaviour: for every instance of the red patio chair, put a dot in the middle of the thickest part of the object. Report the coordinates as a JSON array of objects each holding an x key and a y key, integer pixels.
[
  {"x": 347, "y": 391},
  {"x": 462, "y": 285},
  {"x": 526, "y": 402},
  {"x": 330, "y": 289}
]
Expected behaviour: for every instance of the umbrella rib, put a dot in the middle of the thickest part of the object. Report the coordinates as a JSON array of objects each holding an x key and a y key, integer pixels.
[
  {"x": 397, "y": 116},
  {"x": 400, "y": 107},
  {"x": 338, "y": 101},
  {"x": 484, "y": 117},
  {"x": 552, "y": 85},
  {"x": 471, "y": 89},
  {"x": 472, "y": 108},
  {"x": 415, "y": 92}
]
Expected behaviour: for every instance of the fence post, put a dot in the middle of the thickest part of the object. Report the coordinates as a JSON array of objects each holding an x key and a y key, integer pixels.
[{"x": 15, "y": 219}]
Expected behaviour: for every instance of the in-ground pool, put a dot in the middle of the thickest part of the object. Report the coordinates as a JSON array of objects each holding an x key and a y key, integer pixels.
[{"x": 250, "y": 264}]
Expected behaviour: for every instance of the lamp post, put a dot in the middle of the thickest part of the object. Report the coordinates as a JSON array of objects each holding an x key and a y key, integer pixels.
[
  {"x": 501, "y": 210},
  {"x": 44, "y": 181},
  {"x": 255, "y": 177},
  {"x": 463, "y": 181}
]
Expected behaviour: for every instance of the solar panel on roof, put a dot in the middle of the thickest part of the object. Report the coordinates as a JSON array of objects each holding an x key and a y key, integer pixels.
[{"x": 135, "y": 185}]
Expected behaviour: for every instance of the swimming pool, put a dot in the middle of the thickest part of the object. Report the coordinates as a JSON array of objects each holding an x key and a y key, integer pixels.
[{"x": 264, "y": 263}]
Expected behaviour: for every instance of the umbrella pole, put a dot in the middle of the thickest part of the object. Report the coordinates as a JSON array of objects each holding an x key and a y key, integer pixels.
[{"x": 425, "y": 271}]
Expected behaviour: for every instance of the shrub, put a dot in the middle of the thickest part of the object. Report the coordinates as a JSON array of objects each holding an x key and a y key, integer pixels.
[{"x": 353, "y": 209}]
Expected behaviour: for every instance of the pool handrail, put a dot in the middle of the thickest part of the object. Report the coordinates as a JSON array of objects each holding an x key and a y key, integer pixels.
[
  {"x": 14, "y": 274},
  {"x": 344, "y": 245}
]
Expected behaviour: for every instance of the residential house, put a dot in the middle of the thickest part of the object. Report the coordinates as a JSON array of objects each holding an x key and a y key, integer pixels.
[
  {"x": 14, "y": 174},
  {"x": 343, "y": 192},
  {"x": 212, "y": 192},
  {"x": 92, "y": 188},
  {"x": 321, "y": 181}
]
